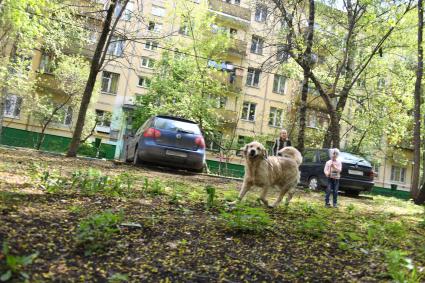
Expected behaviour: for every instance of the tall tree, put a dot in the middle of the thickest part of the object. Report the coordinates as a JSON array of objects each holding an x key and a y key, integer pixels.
[
  {"x": 345, "y": 47},
  {"x": 191, "y": 82},
  {"x": 414, "y": 190},
  {"x": 304, "y": 90},
  {"x": 108, "y": 29}
]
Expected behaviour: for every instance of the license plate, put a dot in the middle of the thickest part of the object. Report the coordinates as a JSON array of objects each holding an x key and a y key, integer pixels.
[
  {"x": 355, "y": 172},
  {"x": 176, "y": 153}
]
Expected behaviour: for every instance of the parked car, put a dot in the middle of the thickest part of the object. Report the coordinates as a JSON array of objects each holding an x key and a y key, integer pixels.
[
  {"x": 356, "y": 176},
  {"x": 169, "y": 141}
]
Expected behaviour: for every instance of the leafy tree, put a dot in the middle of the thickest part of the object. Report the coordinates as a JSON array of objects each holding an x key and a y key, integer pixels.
[
  {"x": 71, "y": 75},
  {"x": 188, "y": 82}
]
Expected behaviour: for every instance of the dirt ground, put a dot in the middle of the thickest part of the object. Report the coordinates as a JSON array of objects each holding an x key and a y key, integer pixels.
[{"x": 174, "y": 237}]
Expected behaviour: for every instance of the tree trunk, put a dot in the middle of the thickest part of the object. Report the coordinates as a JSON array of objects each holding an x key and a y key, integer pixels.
[
  {"x": 94, "y": 70},
  {"x": 304, "y": 91},
  {"x": 42, "y": 135},
  {"x": 2, "y": 108},
  {"x": 414, "y": 190}
]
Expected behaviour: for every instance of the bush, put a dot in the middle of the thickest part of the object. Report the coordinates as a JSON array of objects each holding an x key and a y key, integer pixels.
[
  {"x": 246, "y": 219},
  {"x": 383, "y": 233},
  {"x": 14, "y": 265},
  {"x": 401, "y": 268},
  {"x": 313, "y": 226},
  {"x": 95, "y": 232},
  {"x": 210, "y": 191}
]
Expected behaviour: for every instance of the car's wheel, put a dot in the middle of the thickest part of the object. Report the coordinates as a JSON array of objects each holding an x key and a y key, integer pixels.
[
  {"x": 352, "y": 193},
  {"x": 313, "y": 183}
]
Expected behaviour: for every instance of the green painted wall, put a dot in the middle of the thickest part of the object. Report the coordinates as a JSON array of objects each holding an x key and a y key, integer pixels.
[
  {"x": 229, "y": 170},
  {"x": 22, "y": 138}
]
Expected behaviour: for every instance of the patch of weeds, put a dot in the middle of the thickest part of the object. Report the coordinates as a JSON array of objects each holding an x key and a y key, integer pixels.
[
  {"x": 351, "y": 208},
  {"x": 14, "y": 265},
  {"x": 313, "y": 226},
  {"x": 246, "y": 219},
  {"x": 348, "y": 240},
  {"x": 93, "y": 182},
  {"x": 210, "y": 191},
  {"x": 308, "y": 208},
  {"x": 77, "y": 209},
  {"x": 175, "y": 197},
  {"x": 196, "y": 195},
  {"x": 379, "y": 232},
  {"x": 401, "y": 268},
  {"x": 154, "y": 188},
  {"x": 230, "y": 195},
  {"x": 117, "y": 278},
  {"x": 421, "y": 223},
  {"x": 95, "y": 232}
]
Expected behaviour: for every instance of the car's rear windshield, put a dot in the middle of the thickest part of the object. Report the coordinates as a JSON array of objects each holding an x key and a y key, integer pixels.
[
  {"x": 354, "y": 159},
  {"x": 177, "y": 126}
]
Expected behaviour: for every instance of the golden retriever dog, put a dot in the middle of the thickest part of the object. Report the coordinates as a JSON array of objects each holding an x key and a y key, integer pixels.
[{"x": 279, "y": 172}]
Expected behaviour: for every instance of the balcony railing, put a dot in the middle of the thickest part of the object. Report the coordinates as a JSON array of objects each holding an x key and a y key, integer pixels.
[
  {"x": 232, "y": 81},
  {"x": 238, "y": 47},
  {"x": 230, "y": 9}
]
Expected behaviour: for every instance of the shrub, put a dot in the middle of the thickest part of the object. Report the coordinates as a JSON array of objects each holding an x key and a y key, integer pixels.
[
  {"x": 14, "y": 265},
  {"x": 246, "y": 219},
  {"x": 210, "y": 191},
  {"x": 313, "y": 226},
  {"x": 401, "y": 268},
  {"x": 384, "y": 233},
  {"x": 95, "y": 232}
]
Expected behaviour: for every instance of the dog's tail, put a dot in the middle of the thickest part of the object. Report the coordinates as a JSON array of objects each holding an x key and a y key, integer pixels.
[{"x": 293, "y": 153}]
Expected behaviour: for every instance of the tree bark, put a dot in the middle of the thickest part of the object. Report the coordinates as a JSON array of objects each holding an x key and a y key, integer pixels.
[
  {"x": 414, "y": 190},
  {"x": 94, "y": 70},
  {"x": 304, "y": 91}
]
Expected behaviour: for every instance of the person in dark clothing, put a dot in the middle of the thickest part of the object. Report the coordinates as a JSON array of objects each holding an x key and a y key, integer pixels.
[{"x": 281, "y": 142}]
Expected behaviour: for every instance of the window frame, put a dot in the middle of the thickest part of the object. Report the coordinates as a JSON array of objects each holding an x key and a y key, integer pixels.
[
  {"x": 247, "y": 108},
  {"x": 253, "y": 75},
  {"x": 110, "y": 79},
  {"x": 278, "y": 85},
  {"x": 150, "y": 62},
  {"x": 257, "y": 45},
  {"x": 276, "y": 116},
  {"x": 15, "y": 111}
]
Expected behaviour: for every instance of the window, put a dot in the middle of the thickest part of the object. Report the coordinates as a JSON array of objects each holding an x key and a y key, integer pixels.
[
  {"x": 63, "y": 116},
  {"x": 218, "y": 101},
  {"x": 253, "y": 77},
  {"x": 324, "y": 156},
  {"x": 261, "y": 13},
  {"x": 248, "y": 111},
  {"x": 184, "y": 29},
  {"x": 110, "y": 82},
  {"x": 103, "y": 118},
  {"x": 12, "y": 107},
  {"x": 398, "y": 174},
  {"x": 128, "y": 11},
  {"x": 144, "y": 82},
  {"x": 376, "y": 167},
  {"x": 155, "y": 27},
  {"x": 312, "y": 119},
  {"x": 148, "y": 62},
  {"x": 116, "y": 46},
  {"x": 281, "y": 54},
  {"x": 234, "y": 2},
  {"x": 309, "y": 156},
  {"x": 46, "y": 64},
  {"x": 275, "y": 117},
  {"x": 118, "y": 8},
  {"x": 151, "y": 45},
  {"x": 158, "y": 11},
  {"x": 279, "y": 84},
  {"x": 257, "y": 45}
]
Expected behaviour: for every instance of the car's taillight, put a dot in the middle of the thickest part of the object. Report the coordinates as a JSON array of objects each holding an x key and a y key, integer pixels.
[
  {"x": 199, "y": 141},
  {"x": 371, "y": 174},
  {"x": 152, "y": 133}
]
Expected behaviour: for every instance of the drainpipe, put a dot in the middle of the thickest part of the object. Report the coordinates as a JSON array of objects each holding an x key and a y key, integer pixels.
[{"x": 264, "y": 103}]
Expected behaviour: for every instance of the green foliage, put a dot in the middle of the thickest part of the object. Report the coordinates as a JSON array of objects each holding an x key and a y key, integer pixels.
[
  {"x": 183, "y": 80},
  {"x": 118, "y": 277},
  {"x": 348, "y": 240},
  {"x": 422, "y": 222},
  {"x": 351, "y": 208},
  {"x": 401, "y": 268},
  {"x": 154, "y": 188},
  {"x": 210, "y": 191},
  {"x": 382, "y": 233},
  {"x": 246, "y": 219},
  {"x": 14, "y": 265},
  {"x": 314, "y": 226},
  {"x": 95, "y": 232}
]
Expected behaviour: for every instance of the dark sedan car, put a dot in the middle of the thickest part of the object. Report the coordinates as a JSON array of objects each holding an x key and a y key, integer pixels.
[
  {"x": 356, "y": 176},
  {"x": 168, "y": 141}
]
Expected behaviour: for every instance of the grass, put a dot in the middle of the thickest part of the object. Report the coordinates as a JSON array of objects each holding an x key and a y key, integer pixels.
[{"x": 71, "y": 214}]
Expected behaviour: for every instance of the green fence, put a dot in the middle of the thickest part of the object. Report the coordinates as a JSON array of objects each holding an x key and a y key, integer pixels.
[
  {"x": 390, "y": 193},
  {"x": 226, "y": 169},
  {"x": 28, "y": 139}
]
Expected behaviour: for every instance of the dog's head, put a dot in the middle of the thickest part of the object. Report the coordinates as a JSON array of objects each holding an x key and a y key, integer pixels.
[{"x": 254, "y": 150}]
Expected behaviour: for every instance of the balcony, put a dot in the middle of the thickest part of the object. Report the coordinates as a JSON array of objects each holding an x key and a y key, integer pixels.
[
  {"x": 233, "y": 11},
  {"x": 228, "y": 117},
  {"x": 233, "y": 82},
  {"x": 238, "y": 47}
]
